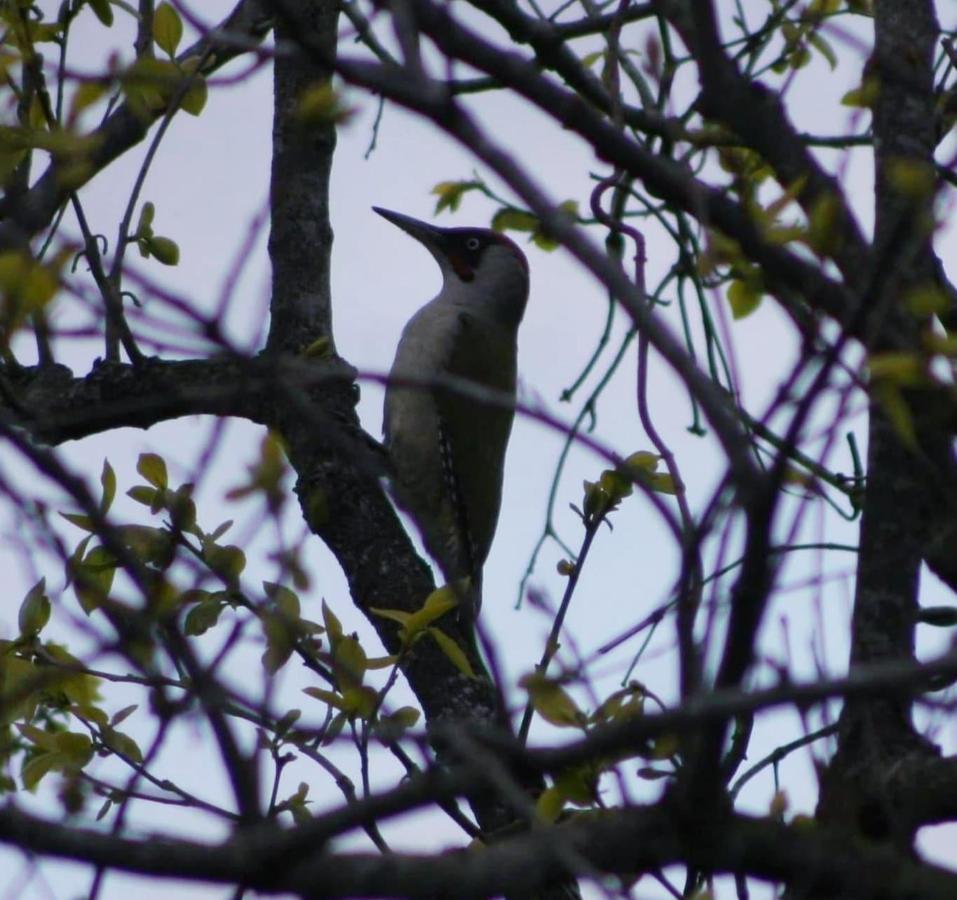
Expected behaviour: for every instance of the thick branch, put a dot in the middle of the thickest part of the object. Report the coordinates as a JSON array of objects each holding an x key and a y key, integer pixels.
[
  {"x": 623, "y": 842},
  {"x": 56, "y": 406},
  {"x": 906, "y": 476}
]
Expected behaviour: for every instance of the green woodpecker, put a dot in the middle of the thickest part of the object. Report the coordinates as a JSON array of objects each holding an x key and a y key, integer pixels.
[{"x": 447, "y": 446}]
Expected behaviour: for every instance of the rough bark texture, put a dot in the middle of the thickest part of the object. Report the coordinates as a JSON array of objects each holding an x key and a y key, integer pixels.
[{"x": 904, "y": 477}]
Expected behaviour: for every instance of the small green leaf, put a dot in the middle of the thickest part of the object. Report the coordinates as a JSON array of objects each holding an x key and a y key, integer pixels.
[
  {"x": 122, "y": 743},
  {"x": 167, "y": 28},
  {"x": 450, "y": 194},
  {"x": 165, "y": 249},
  {"x": 285, "y": 600},
  {"x": 280, "y": 642},
  {"x": 80, "y": 520},
  {"x": 321, "y": 104},
  {"x": 663, "y": 483},
  {"x": 108, "y": 483},
  {"x": 143, "y": 494},
  {"x": 824, "y": 48},
  {"x": 511, "y": 219},
  {"x": 328, "y": 697},
  {"x": 333, "y": 625},
  {"x": 551, "y": 701},
  {"x": 123, "y": 714},
  {"x": 35, "y": 768},
  {"x": 744, "y": 297},
  {"x": 404, "y": 717},
  {"x": 149, "y": 85},
  {"x": 453, "y": 651},
  {"x": 93, "y": 578},
  {"x": 194, "y": 100},
  {"x": 35, "y": 609},
  {"x": 349, "y": 661},
  {"x": 153, "y": 468},
  {"x": 86, "y": 95},
  {"x": 228, "y": 562},
  {"x": 76, "y": 750},
  {"x": 320, "y": 348},
  {"x": 103, "y": 11},
  {"x": 144, "y": 228},
  {"x": 202, "y": 617}
]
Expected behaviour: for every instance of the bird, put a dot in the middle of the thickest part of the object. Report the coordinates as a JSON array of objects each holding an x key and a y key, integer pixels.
[{"x": 450, "y": 397}]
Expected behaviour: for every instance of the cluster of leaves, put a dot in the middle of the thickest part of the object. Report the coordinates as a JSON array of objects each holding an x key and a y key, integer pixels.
[
  {"x": 43, "y": 688},
  {"x": 507, "y": 217},
  {"x": 351, "y": 698},
  {"x": 165, "y": 250},
  {"x": 614, "y": 485},
  {"x": 153, "y": 85},
  {"x": 579, "y": 785}
]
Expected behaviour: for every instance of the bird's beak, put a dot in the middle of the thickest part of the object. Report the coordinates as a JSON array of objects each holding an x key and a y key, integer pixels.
[{"x": 423, "y": 232}]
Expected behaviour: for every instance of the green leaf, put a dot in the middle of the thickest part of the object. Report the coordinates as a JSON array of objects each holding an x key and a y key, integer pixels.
[
  {"x": 396, "y": 615},
  {"x": 904, "y": 369},
  {"x": 280, "y": 642},
  {"x": 108, "y": 483},
  {"x": 450, "y": 194},
  {"x": 35, "y": 768},
  {"x": 333, "y": 625},
  {"x": 80, "y": 520},
  {"x": 404, "y": 717},
  {"x": 359, "y": 700},
  {"x": 744, "y": 297},
  {"x": 624, "y": 703},
  {"x": 824, "y": 48},
  {"x": 511, "y": 219},
  {"x": 550, "y": 804},
  {"x": 349, "y": 661},
  {"x": 153, "y": 468},
  {"x": 144, "y": 228},
  {"x": 77, "y": 686},
  {"x": 228, "y": 562},
  {"x": 194, "y": 100},
  {"x": 93, "y": 578},
  {"x": 149, "y": 84},
  {"x": 35, "y": 609},
  {"x": 663, "y": 483},
  {"x": 453, "y": 651},
  {"x": 823, "y": 234},
  {"x": 143, "y": 494},
  {"x": 103, "y": 11},
  {"x": 865, "y": 95},
  {"x": 285, "y": 600},
  {"x": 165, "y": 249},
  {"x": 86, "y": 95},
  {"x": 579, "y": 784},
  {"x": 122, "y": 743},
  {"x": 328, "y": 697},
  {"x": 123, "y": 714},
  {"x": 151, "y": 545},
  {"x": 551, "y": 701},
  {"x": 321, "y": 104},
  {"x": 27, "y": 285},
  {"x": 75, "y": 750},
  {"x": 167, "y": 28},
  {"x": 320, "y": 348},
  {"x": 202, "y": 617}
]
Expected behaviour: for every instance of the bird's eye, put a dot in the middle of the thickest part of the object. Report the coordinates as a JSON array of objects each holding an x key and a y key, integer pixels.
[{"x": 473, "y": 243}]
